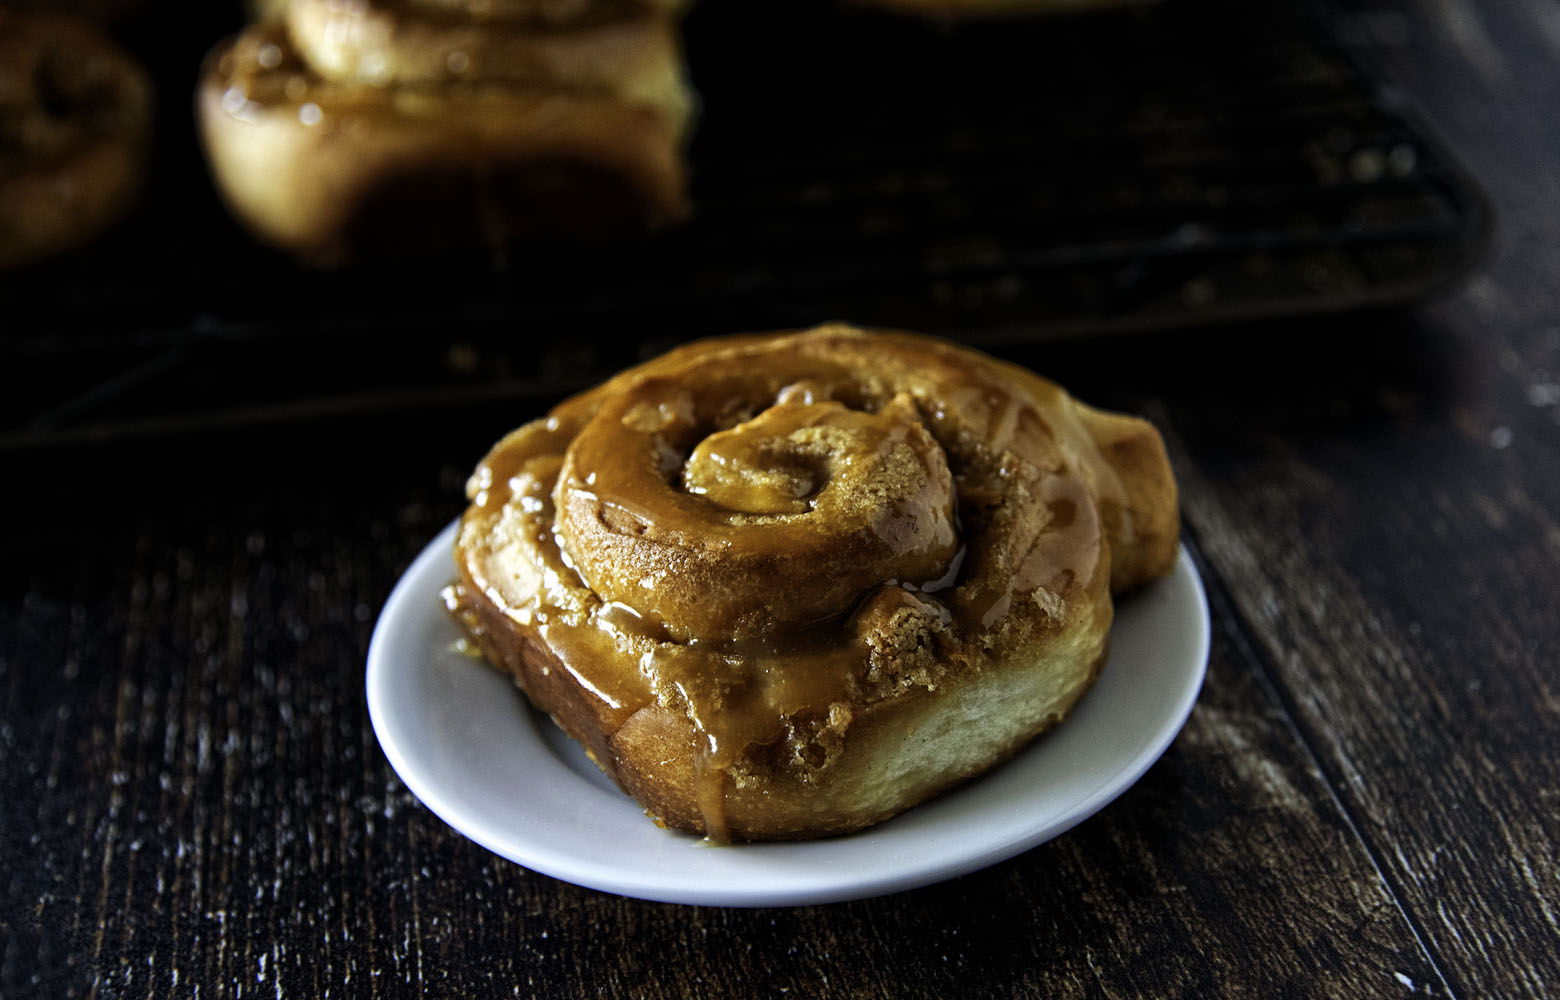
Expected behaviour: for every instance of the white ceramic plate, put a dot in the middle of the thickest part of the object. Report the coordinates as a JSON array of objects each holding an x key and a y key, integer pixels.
[{"x": 465, "y": 742}]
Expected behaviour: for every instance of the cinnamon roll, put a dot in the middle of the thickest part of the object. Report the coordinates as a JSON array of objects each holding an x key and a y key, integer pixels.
[
  {"x": 75, "y": 117},
  {"x": 789, "y": 586},
  {"x": 350, "y": 127}
]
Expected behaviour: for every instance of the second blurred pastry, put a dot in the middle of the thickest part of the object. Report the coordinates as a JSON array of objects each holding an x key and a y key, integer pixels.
[
  {"x": 75, "y": 118},
  {"x": 350, "y": 127}
]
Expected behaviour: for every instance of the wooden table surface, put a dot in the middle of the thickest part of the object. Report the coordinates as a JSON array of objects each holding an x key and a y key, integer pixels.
[{"x": 1364, "y": 803}]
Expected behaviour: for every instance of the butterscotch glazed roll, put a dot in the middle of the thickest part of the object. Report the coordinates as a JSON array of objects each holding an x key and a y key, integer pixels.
[
  {"x": 788, "y": 586},
  {"x": 351, "y": 127},
  {"x": 75, "y": 118}
]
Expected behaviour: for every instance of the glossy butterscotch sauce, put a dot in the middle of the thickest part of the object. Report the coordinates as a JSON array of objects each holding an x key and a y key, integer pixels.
[{"x": 765, "y": 536}]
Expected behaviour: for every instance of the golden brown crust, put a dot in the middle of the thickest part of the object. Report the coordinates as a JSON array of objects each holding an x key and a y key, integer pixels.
[
  {"x": 790, "y": 586},
  {"x": 75, "y": 117},
  {"x": 584, "y": 139},
  {"x": 1142, "y": 516},
  {"x": 1146, "y": 522}
]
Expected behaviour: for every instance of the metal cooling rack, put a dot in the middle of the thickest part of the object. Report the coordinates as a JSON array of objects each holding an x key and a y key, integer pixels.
[{"x": 1183, "y": 164}]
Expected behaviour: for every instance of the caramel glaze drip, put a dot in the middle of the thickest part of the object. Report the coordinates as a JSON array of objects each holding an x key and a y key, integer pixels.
[{"x": 747, "y": 530}]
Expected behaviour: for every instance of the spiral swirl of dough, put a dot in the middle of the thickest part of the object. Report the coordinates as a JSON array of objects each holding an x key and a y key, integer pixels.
[{"x": 678, "y": 499}]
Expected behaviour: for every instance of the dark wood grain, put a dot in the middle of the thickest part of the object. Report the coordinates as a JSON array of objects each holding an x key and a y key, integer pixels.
[
  {"x": 1398, "y": 564},
  {"x": 210, "y": 808},
  {"x": 1363, "y": 804}
]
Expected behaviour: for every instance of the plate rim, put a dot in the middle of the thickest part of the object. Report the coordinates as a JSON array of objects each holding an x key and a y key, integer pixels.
[{"x": 415, "y": 590}]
